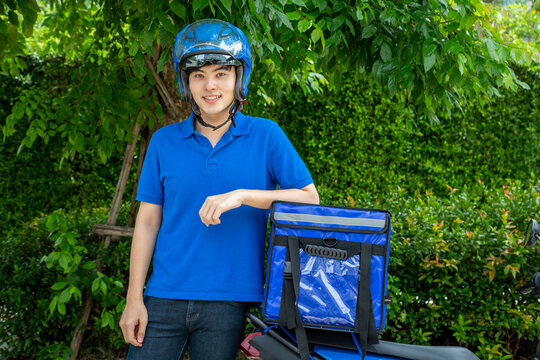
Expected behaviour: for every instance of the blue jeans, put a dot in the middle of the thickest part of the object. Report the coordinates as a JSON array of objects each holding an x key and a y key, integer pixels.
[{"x": 210, "y": 329}]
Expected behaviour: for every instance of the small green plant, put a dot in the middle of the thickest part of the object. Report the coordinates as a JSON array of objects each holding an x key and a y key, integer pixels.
[
  {"x": 52, "y": 267},
  {"x": 455, "y": 267}
]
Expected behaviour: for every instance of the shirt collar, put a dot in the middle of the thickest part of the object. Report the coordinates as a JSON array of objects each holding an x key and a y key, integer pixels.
[{"x": 241, "y": 120}]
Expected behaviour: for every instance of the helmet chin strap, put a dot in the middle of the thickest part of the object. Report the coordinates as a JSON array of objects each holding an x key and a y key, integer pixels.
[{"x": 233, "y": 108}]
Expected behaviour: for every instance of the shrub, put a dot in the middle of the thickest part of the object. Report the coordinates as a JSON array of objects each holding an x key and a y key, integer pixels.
[
  {"x": 48, "y": 270},
  {"x": 356, "y": 140},
  {"x": 456, "y": 264},
  {"x": 36, "y": 182}
]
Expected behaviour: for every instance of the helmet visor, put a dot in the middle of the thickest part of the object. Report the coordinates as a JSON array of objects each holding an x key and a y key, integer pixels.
[{"x": 196, "y": 61}]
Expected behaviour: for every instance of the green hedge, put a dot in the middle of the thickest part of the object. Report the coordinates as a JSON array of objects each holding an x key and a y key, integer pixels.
[
  {"x": 35, "y": 182},
  {"x": 454, "y": 269},
  {"x": 456, "y": 264},
  {"x": 48, "y": 269},
  {"x": 461, "y": 192},
  {"x": 356, "y": 140}
]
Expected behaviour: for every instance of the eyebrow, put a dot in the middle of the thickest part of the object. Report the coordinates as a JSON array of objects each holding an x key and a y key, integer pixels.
[{"x": 222, "y": 67}]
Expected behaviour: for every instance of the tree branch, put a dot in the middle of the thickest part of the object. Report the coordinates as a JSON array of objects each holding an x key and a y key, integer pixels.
[{"x": 167, "y": 98}]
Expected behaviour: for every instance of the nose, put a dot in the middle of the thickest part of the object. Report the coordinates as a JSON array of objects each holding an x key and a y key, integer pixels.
[{"x": 210, "y": 84}]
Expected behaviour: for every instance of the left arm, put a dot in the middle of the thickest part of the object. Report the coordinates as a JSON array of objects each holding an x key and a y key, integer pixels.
[{"x": 216, "y": 205}]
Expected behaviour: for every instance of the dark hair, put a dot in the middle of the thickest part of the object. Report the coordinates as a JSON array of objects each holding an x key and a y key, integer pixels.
[{"x": 190, "y": 70}]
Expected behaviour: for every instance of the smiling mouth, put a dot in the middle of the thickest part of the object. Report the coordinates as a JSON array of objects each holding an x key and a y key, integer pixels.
[{"x": 211, "y": 98}]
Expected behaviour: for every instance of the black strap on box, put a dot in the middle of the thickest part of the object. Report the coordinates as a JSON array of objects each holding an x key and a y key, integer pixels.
[{"x": 289, "y": 315}]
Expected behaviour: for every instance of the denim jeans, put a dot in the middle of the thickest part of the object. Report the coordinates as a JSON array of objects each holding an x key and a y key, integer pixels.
[{"x": 210, "y": 329}]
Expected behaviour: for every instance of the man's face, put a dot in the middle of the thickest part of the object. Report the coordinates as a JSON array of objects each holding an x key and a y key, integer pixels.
[{"x": 212, "y": 88}]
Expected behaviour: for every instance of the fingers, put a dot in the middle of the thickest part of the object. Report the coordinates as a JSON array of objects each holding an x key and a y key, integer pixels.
[
  {"x": 128, "y": 330},
  {"x": 134, "y": 327},
  {"x": 140, "y": 331},
  {"x": 212, "y": 209},
  {"x": 214, "y": 206}
]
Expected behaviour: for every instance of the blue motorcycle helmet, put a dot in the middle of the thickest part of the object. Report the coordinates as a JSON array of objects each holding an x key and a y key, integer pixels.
[{"x": 212, "y": 41}]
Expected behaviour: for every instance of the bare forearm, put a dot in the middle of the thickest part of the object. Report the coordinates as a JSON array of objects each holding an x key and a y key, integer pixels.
[
  {"x": 216, "y": 205},
  {"x": 262, "y": 199},
  {"x": 142, "y": 248}
]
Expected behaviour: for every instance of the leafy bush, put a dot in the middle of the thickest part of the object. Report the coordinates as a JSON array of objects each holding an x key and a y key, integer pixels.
[
  {"x": 458, "y": 219},
  {"x": 48, "y": 270},
  {"x": 456, "y": 264},
  {"x": 356, "y": 140},
  {"x": 36, "y": 181},
  {"x": 454, "y": 269}
]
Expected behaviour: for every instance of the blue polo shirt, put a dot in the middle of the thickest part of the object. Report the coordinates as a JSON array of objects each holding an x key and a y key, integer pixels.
[{"x": 181, "y": 169}]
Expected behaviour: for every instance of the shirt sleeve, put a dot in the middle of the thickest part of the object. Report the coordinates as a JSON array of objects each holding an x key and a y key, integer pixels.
[
  {"x": 150, "y": 187},
  {"x": 285, "y": 165}
]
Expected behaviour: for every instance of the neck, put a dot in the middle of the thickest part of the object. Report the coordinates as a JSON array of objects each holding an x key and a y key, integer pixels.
[
  {"x": 216, "y": 121},
  {"x": 210, "y": 132}
]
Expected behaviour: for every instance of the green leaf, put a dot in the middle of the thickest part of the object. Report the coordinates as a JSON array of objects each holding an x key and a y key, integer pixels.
[
  {"x": 368, "y": 31},
  {"x": 428, "y": 48},
  {"x": 227, "y": 4},
  {"x": 284, "y": 19},
  {"x": 148, "y": 38},
  {"x": 294, "y": 15},
  {"x": 359, "y": 13},
  {"x": 492, "y": 49},
  {"x": 429, "y": 61},
  {"x": 133, "y": 49},
  {"x": 517, "y": 56},
  {"x": 63, "y": 261},
  {"x": 52, "y": 304},
  {"x": 95, "y": 285},
  {"x": 61, "y": 308},
  {"x": 3, "y": 27},
  {"x": 263, "y": 22},
  {"x": 179, "y": 9},
  {"x": 13, "y": 18},
  {"x": 162, "y": 60},
  {"x": 316, "y": 34},
  {"x": 107, "y": 319},
  {"x": 299, "y": 3},
  {"x": 59, "y": 285},
  {"x": 320, "y": 4},
  {"x": 508, "y": 81},
  {"x": 392, "y": 85},
  {"x": 140, "y": 67},
  {"x": 13, "y": 36},
  {"x": 28, "y": 28},
  {"x": 18, "y": 110},
  {"x": 462, "y": 10},
  {"x": 386, "y": 52},
  {"x": 303, "y": 25},
  {"x": 199, "y": 5},
  {"x": 103, "y": 287},
  {"x": 467, "y": 22},
  {"x": 65, "y": 296},
  {"x": 52, "y": 222},
  {"x": 462, "y": 60},
  {"x": 89, "y": 265},
  {"x": 167, "y": 24},
  {"x": 503, "y": 53},
  {"x": 453, "y": 46}
]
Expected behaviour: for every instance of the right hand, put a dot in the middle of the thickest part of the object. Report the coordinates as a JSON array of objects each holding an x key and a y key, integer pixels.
[{"x": 133, "y": 322}]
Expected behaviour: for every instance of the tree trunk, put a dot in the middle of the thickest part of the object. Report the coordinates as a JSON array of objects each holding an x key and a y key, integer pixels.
[{"x": 113, "y": 215}]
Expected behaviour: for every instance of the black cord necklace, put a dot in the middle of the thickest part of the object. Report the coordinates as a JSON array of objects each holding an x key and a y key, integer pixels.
[{"x": 232, "y": 113}]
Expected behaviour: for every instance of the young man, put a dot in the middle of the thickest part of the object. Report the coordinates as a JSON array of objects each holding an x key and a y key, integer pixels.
[{"x": 205, "y": 189}]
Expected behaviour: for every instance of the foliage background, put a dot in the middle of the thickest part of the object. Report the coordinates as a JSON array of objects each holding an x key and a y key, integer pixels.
[{"x": 461, "y": 185}]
